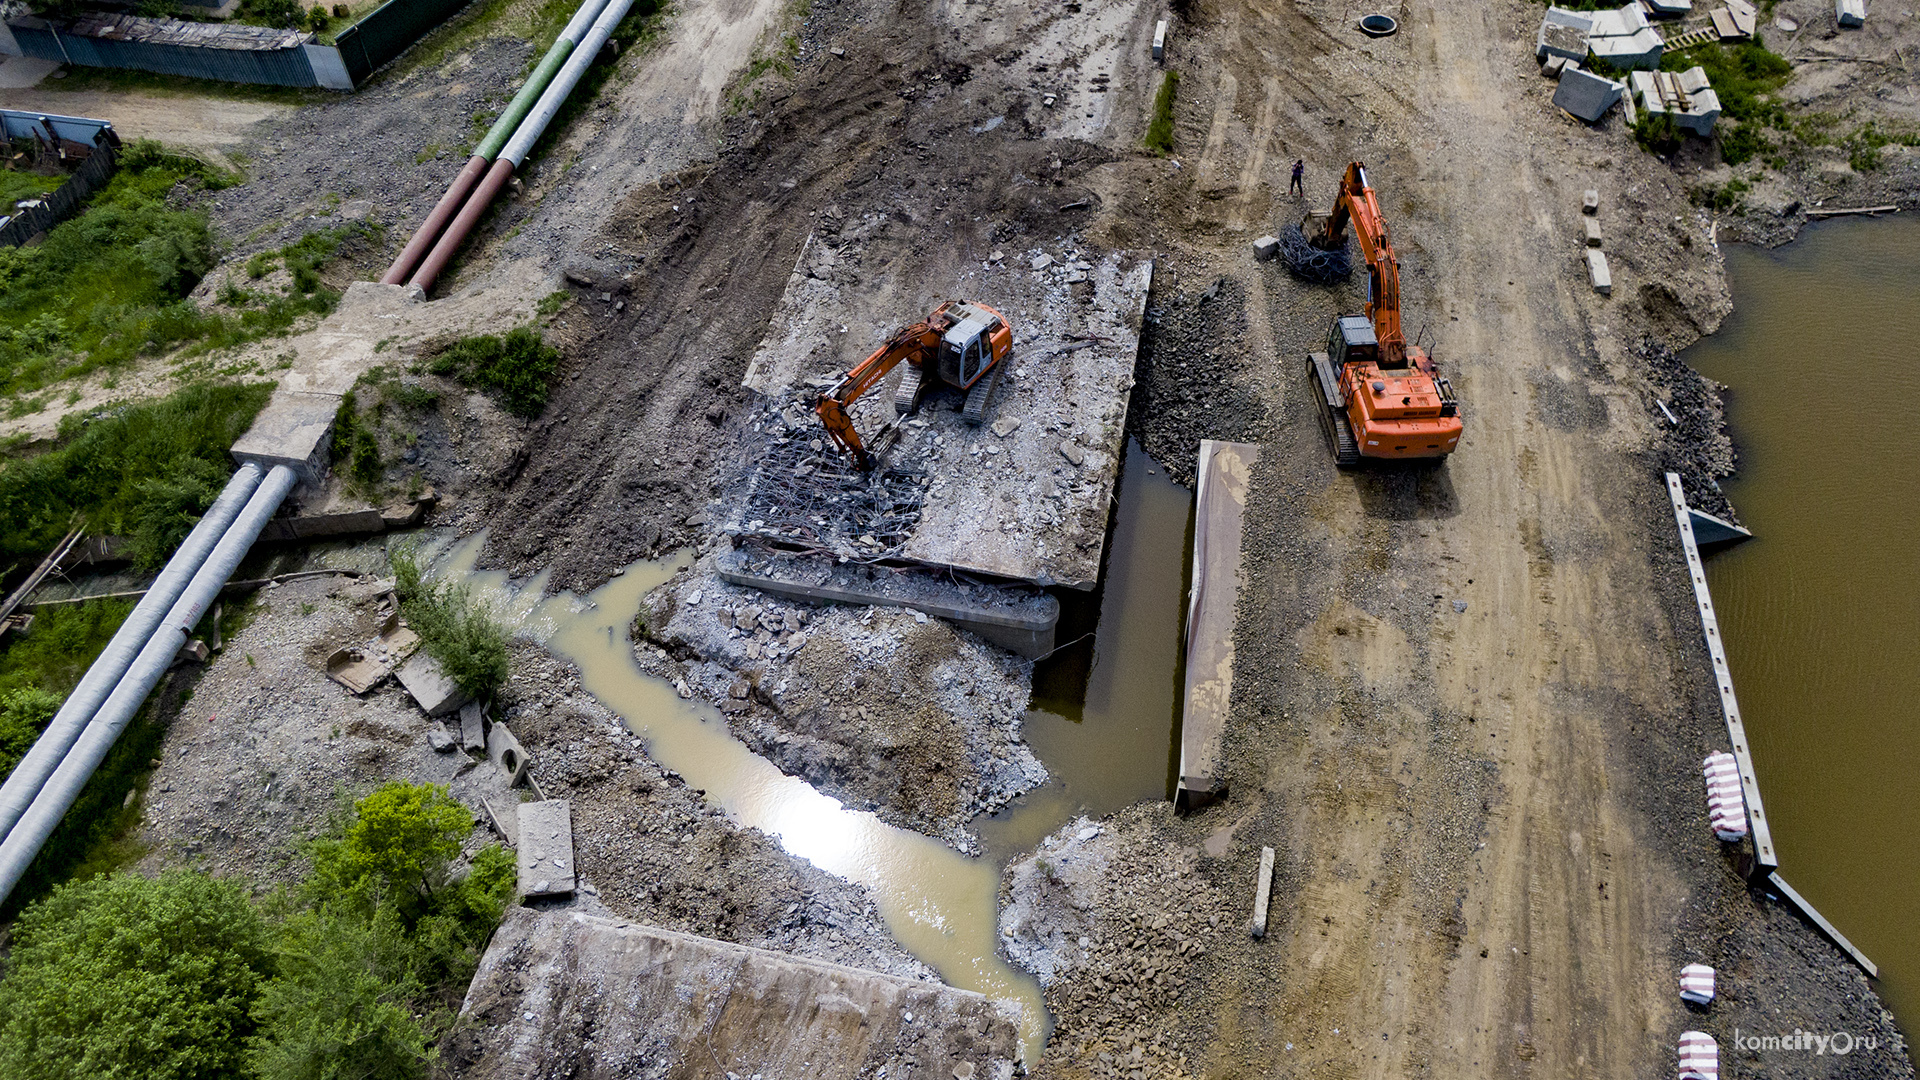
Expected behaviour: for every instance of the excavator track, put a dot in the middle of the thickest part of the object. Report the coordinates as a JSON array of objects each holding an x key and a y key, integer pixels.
[
  {"x": 906, "y": 397},
  {"x": 1333, "y": 412},
  {"x": 978, "y": 398}
]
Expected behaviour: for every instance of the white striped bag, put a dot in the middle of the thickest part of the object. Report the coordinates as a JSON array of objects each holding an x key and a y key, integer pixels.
[
  {"x": 1696, "y": 983},
  {"x": 1699, "y": 1056},
  {"x": 1726, "y": 808}
]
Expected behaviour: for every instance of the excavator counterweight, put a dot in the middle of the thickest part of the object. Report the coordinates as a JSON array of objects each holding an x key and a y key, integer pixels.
[
  {"x": 1378, "y": 396},
  {"x": 961, "y": 345}
]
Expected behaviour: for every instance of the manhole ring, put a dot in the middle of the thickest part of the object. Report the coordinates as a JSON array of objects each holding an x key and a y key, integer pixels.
[{"x": 1378, "y": 25}]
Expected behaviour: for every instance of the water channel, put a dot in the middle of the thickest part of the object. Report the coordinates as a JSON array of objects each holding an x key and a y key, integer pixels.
[
  {"x": 1103, "y": 722},
  {"x": 1822, "y": 611}
]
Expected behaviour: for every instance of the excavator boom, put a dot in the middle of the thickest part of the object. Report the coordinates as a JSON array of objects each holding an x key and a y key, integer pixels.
[{"x": 1357, "y": 202}]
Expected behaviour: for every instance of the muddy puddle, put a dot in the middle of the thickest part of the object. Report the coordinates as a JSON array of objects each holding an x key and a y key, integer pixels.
[
  {"x": 1822, "y": 611},
  {"x": 1103, "y": 723}
]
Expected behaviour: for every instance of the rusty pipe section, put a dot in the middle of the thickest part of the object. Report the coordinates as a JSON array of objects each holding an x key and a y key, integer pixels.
[
  {"x": 503, "y": 128},
  {"x": 521, "y": 144}
]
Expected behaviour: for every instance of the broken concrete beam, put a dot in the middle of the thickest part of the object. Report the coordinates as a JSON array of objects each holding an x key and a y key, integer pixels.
[
  {"x": 430, "y": 686},
  {"x": 193, "y": 652},
  {"x": 603, "y": 993},
  {"x": 505, "y": 751},
  {"x": 1225, "y": 470},
  {"x": 1593, "y": 231},
  {"x": 1598, "y": 273},
  {"x": 1587, "y": 96},
  {"x": 473, "y": 727},
  {"x": 545, "y": 853},
  {"x": 1263, "y": 893},
  {"x": 295, "y": 429},
  {"x": 1160, "y": 42},
  {"x": 1850, "y": 14},
  {"x": 1267, "y": 248},
  {"x": 1555, "y": 66},
  {"x": 1016, "y": 618},
  {"x": 1590, "y": 201}
]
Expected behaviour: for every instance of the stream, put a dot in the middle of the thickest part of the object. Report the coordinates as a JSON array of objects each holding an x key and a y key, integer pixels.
[{"x": 1103, "y": 721}]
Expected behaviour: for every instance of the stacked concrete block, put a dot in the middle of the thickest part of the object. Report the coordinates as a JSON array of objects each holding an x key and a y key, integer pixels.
[
  {"x": 1563, "y": 34},
  {"x": 1687, "y": 96},
  {"x": 1623, "y": 38},
  {"x": 1587, "y": 96}
]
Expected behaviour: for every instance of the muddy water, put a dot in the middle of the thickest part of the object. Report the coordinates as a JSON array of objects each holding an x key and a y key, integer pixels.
[
  {"x": 1822, "y": 612},
  {"x": 939, "y": 904}
]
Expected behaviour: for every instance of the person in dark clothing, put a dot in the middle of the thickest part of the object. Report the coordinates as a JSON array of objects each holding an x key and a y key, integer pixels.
[{"x": 1299, "y": 170}]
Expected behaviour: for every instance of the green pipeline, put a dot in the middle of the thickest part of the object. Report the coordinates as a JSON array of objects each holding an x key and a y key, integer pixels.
[{"x": 516, "y": 110}]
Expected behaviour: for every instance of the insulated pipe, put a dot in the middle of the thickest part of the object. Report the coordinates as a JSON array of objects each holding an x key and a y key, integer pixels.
[
  {"x": 517, "y": 148},
  {"x": 30, "y": 834},
  {"x": 497, "y": 135},
  {"x": 67, "y": 724}
]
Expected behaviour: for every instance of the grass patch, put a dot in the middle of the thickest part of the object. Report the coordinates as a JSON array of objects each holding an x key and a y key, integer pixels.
[
  {"x": 356, "y": 442},
  {"x": 1159, "y": 138},
  {"x": 455, "y": 628},
  {"x": 518, "y": 368},
  {"x": 15, "y": 186},
  {"x": 1721, "y": 198},
  {"x": 140, "y": 470}
]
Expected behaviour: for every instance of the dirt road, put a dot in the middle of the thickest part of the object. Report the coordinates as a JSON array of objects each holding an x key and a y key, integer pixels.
[{"x": 212, "y": 126}]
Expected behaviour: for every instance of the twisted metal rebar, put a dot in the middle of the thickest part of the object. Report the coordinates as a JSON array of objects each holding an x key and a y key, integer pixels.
[{"x": 1309, "y": 263}]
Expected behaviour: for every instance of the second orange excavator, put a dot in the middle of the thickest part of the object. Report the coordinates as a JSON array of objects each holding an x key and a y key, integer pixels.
[
  {"x": 962, "y": 345},
  {"x": 1379, "y": 396}
]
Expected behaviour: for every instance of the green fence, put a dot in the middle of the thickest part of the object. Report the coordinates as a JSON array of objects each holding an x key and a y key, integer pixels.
[{"x": 388, "y": 31}]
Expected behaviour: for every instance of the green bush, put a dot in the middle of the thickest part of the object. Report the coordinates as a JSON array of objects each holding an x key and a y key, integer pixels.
[
  {"x": 24, "y": 713},
  {"x": 455, "y": 628},
  {"x": 1656, "y": 133},
  {"x": 1743, "y": 144},
  {"x": 355, "y": 442},
  {"x": 131, "y": 469},
  {"x": 130, "y": 977},
  {"x": 1160, "y": 128},
  {"x": 93, "y": 292},
  {"x": 518, "y": 367},
  {"x": 342, "y": 1006}
]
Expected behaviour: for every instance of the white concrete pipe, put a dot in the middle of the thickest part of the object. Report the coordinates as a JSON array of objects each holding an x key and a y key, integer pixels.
[
  {"x": 39, "y": 763},
  {"x": 30, "y": 833}
]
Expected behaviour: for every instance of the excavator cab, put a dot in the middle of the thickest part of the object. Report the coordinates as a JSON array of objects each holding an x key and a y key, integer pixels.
[
  {"x": 1352, "y": 339},
  {"x": 966, "y": 348}
]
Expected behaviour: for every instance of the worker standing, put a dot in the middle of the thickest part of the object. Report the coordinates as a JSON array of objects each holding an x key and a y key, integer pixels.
[{"x": 1299, "y": 170}]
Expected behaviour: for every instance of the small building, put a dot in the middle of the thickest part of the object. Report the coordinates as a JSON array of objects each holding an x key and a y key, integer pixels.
[
  {"x": 1624, "y": 39},
  {"x": 1686, "y": 96}
]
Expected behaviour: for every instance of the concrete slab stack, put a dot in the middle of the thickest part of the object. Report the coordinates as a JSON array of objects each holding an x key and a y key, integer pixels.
[{"x": 1687, "y": 96}]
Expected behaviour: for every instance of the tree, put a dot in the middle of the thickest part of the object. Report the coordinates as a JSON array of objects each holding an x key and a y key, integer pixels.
[
  {"x": 341, "y": 1006},
  {"x": 398, "y": 843},
  {"x": 133, "y": 977}
]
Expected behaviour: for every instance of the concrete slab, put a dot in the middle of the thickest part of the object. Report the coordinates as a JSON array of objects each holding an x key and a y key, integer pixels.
[
  {"x": 602, "y": 994},
  {"x": 1262, "y": 894},
  {"x": 295, "y": 429},
  {"x": 1011, "y": 506},
  {"x": 1585, "y": 95},
  {"x": 1018, "y": 619},
  {"x": 1708, "y": 529},
  {"x": 1267, "y": 248},
  {"x": 1593, "y": 231},
  {"x": 1670, "y": 8},
  {"x": 432, "y": 690},
  {"x": 473, "y": 727},
  {"x": 1160, "y": 42},
  {"x": 1850, "y": 14},
  {"x": 1225, "y": 471},
  {"x": 1598, "y": 272},
  {"x": 545, "y": 852}
]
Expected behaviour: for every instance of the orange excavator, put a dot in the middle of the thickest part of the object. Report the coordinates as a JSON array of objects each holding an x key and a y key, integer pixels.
[
  {"x": 962, "y": 345},
  {"x": 1380, "y": 396}
]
